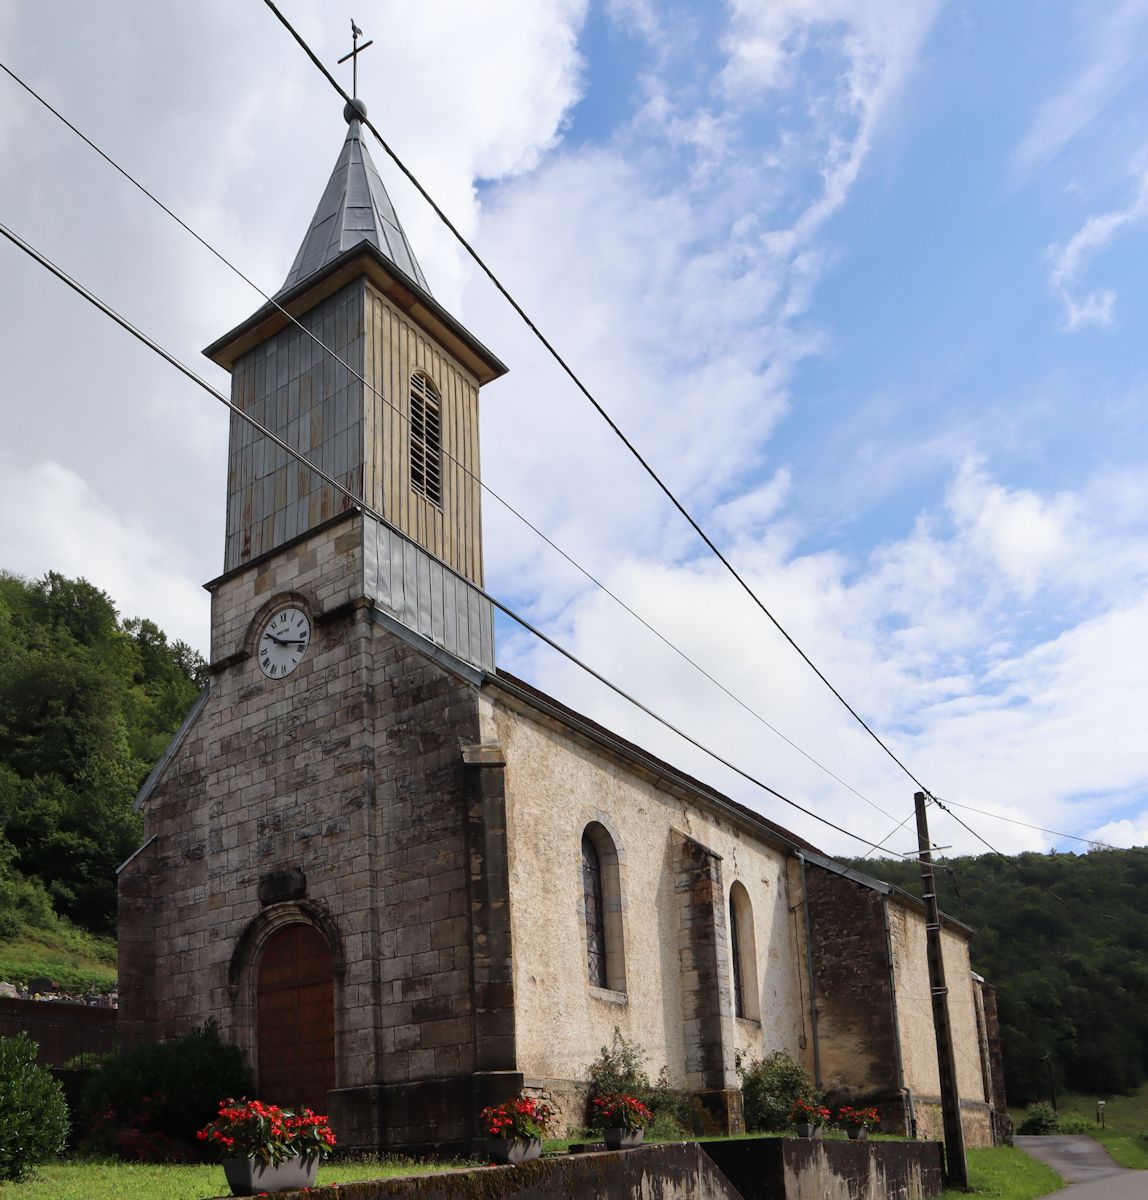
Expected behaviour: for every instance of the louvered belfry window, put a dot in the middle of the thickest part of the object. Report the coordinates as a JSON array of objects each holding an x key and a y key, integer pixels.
[
  {"x": 426, "y": 438},
  {"x": 595, "y": 913}
]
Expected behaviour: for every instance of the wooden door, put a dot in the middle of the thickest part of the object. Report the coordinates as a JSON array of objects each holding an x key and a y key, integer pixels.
[{"x": 296, "y": 1019}]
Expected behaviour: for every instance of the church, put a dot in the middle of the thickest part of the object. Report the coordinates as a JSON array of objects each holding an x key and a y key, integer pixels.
[{"x": 408, "y": 884}]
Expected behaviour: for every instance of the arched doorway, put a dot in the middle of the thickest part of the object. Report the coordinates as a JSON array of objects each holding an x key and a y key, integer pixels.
[{"x": 295, "y": 1006}]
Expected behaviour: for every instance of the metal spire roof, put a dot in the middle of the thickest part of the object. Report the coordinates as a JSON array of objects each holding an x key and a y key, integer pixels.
[{"x": 355, "y": 208}]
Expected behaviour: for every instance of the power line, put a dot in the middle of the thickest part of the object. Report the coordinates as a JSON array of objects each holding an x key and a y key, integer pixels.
[
  {"x": 361, "y": 504},
  {"x": 1004, "y": 857},
  {"x": 1039, "y": 828},
  {"x": 569, "y": 371},
  {"x": 446, "y": 453},
  {"x": 892, "y": 832}
]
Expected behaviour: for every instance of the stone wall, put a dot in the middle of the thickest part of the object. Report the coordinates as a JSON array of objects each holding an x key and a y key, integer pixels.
[
  {"x": 348, "y": 776},
  {"x": 1003, "y": 1121},
  {"x": 918, "y": 1039},
  {"x": 856, "y": 1016},
  {"x": 558, "y": 782},
  {"x": 61, "y": 1031}
]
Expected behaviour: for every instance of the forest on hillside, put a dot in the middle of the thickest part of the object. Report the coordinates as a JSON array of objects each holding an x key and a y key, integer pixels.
[
  {"x": 1064, "y": 937},
  {"x": 88, "y": 702}
]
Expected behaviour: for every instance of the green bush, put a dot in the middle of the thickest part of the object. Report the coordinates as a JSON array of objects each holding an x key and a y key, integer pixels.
[
  {"x": 770, "y": 1087},
  {"x": 1040, "y": 1120},
  {"x": 33, "y": 1114},
  {"x": 621, "y": 1068},
  {"x": 1075, "y": 1125},
  {"x": 148, "y": 1104}
]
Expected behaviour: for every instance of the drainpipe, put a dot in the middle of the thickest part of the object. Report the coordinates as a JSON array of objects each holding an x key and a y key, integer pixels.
[
  {"x": 809, "y": 969},
  {"x": 908, "y": 1092}
]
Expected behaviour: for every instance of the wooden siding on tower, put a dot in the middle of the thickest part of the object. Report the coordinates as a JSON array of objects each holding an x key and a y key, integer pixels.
[
  {"x": 291, "y": 385},
  {"x": 395, "y": 348}
]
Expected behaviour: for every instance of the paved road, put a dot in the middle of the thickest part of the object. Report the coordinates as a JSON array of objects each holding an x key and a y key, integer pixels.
[{"x": 1087, "y": 1167}]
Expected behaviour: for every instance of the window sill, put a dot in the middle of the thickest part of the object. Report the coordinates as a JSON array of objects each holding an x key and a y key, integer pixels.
[
  {"x": 609, "y": 996},
  {"x": 749, "y": 1022}
]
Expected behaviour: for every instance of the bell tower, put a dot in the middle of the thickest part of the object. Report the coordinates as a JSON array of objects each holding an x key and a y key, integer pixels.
[
  {"x": 320, "y": 872},
  {"x": 356, "y": 366}
]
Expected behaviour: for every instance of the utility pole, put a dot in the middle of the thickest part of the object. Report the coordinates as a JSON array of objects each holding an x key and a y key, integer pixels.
[{"x": 956, "y": 1167}]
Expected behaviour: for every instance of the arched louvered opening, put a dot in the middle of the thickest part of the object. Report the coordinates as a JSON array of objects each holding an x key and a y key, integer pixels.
[
  {"x": 426, "y": 438},
  {"x": 743, "y": 955},
  {"x": 602, "y": 909}
]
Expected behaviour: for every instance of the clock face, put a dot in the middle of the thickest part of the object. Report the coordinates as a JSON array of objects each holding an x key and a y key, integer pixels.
[{"x": 283, "y": 642}]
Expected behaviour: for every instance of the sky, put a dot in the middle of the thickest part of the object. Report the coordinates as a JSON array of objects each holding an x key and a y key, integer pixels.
[{"x": 864, "y": 281}]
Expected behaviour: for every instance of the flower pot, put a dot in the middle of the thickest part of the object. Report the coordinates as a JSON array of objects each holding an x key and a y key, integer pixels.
[
  {"x": 621, "y": 1138},
  {"x": 859, "y": 1135},
  {"x": 513, "y": 1150},
  {"x": 805, "y": 1129},
  {"x": 250, "y": 1176}
]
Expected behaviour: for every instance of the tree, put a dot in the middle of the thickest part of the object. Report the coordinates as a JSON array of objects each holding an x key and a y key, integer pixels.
[{"x": 87, "y": 704}]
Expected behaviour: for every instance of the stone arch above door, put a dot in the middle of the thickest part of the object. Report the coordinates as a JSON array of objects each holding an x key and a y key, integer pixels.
[{"x": 307, "y": 968}]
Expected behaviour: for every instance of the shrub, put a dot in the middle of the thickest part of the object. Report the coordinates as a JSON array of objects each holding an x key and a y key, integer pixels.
[
  {"x": 1040, "y": 1120},
  {"x": 33, "y": 1114},
  {"x": 1075, "y": 1125},
  {"x": 620, "y": 1069},
  {"x": 149, "y": 1103},
  {"x": 770, "y": 1087}
]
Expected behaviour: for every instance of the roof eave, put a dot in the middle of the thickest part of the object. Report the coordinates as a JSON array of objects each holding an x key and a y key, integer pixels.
[{"x": 395, "y": 284}]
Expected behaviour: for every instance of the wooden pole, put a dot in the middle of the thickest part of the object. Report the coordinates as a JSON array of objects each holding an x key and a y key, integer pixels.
[{"x": 956, "y": 1167}]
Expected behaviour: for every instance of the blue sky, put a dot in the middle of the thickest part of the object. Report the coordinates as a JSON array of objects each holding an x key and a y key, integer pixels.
[{"x": 865, "y": 280}]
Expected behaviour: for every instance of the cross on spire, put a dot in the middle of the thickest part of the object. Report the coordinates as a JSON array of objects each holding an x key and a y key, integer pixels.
[{"x": 356, "y": 50}]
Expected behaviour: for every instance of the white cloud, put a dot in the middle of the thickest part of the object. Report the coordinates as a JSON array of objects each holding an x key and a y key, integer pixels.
[
  {"x": 1130, "y": 831},
  {"x": 676, "y": 263},
  {"x": 877, "y": 43},
  {"x": 1116, "y": 46},
  {"x": 51, "y": 520},
  {"x": 925, "y": 635},
  {"x": 1070, "y": 261}
]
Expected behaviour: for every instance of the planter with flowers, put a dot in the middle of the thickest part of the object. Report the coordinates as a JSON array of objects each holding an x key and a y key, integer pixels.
[
  {"x": 808, "y": 1117},
  {"x": 516, "y": 1128},
  {"x": 622, "y": 1120},
  {"x": 266, "y": 1148},
  {"x": 857, "y": 1121}
]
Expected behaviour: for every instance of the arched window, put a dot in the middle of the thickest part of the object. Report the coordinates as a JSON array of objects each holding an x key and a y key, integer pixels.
[
  {"x": 426, "y": 438},
  {"x": 743, "y": 955},
  {"x": 595, "y": 913},
  {"x": 602, "y": 908}
]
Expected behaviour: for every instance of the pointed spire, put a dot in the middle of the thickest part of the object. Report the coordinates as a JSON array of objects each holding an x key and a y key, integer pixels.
[{"x": 355, "y": 208}]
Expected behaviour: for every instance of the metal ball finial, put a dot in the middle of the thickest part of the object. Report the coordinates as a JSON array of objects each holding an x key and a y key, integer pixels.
[{"x": 354, "y": 110}]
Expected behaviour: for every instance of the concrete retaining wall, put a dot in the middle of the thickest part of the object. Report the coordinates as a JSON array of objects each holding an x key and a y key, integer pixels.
[
  {"x": 676, "y": 1172},
  {"x": 742, "y": 1169},
  {"x": 812, "y": 1169}
]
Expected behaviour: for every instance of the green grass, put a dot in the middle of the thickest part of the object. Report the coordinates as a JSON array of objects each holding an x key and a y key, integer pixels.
[
  {"x": 1129, "y": 1149},
  {"x": 76, "y": 960},
  {"x": 1125, "y": 1135},
  {"x": 137, "y": 1181},
  {"x": 1006, "y": 1173}
]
